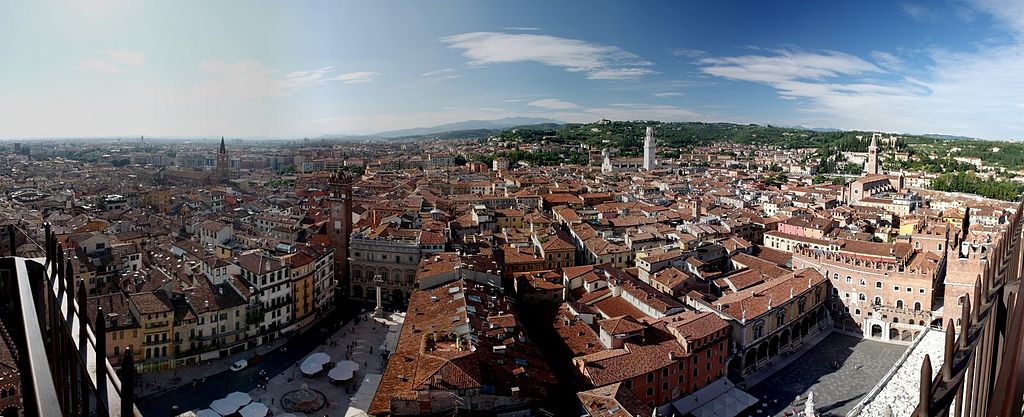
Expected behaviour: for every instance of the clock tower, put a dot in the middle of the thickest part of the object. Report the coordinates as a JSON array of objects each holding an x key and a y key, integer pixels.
[{"x": 340, "y": 228}]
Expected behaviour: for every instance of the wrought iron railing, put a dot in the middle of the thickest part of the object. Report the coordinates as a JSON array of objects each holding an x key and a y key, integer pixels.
[{"x": 61, "y": 358}]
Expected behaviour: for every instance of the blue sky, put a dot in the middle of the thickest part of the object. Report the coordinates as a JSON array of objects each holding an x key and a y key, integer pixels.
[{"x": 293, "y": 69}]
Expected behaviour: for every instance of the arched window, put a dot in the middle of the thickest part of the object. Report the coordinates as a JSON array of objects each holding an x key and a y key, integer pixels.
[
  {"x": 857, "y": 311},
  {"x": 878, "y": 284},
  {"x": 835, "y": 276},
  {"x": 849, "y": 279},
  {"x": 117, "y": 350},
  {"x": 960, "y": 301},
  {"x": 863, "y": 282},
  {"x": 862, "y": 297},
  {"x": 878, "y": 301},
  {"x": 899, "y": 303},
  {"x": 917, "y": 306}
]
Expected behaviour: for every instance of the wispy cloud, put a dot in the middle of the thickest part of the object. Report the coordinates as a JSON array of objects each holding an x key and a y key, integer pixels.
[
  {"x": 595, "y": 61},
  {"x": 112, "y": 61},
  {"x": 667, "y": 94},
  {"x": 888, "y": 61},
  {"x": 688, "y": 53},
  {"x": 357, "y": 77},
  {"x": 298, "y": 79},
  {"x": 1009, "y": 12},
  {"x": 437, "y": 72},
  {"x": 918, "y": 13},
  {"x": 530, "y": 29},
  {"x": 972, "y": 93},
  {"x": 441, "y": 75},
  {"x": 552, "y": 103}
]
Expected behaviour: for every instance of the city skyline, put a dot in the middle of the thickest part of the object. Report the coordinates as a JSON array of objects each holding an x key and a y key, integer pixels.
[{"x": 112, "y": 68}]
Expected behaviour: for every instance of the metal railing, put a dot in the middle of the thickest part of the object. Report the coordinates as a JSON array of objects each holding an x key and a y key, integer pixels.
[
  {"x": 982, "y": 373},
  {"x": 61, "y": 358}
]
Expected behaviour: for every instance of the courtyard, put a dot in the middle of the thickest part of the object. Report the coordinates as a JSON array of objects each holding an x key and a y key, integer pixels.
[{"x": 861, "y": 364}]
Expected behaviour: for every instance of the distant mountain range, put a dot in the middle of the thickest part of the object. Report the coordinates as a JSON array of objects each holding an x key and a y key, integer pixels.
[{"x": 497, "y": 124}]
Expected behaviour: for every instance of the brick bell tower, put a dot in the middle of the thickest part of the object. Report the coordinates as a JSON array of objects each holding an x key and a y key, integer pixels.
[{"x": 340, "y": 228}]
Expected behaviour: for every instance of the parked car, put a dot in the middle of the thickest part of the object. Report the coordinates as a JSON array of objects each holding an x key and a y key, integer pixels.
[{"x": 240, "y": 365}]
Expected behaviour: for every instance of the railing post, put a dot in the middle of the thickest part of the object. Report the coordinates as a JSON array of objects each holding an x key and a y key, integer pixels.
[
  {"x": 10, "y": 236},
  {"x": 69, "y": 279},
  {"x": 100, "y": 330},
  {"x": 925, "y": 399},
  {"x": 83, "y": 345},
  {"x": 127, "y": 375},
  {"x": 60, "y": 269}
]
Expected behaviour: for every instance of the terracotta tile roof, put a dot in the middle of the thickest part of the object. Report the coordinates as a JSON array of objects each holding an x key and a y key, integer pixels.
[
  {"x": 620, "y": 325},
  {"x": 580, "y": 338},
  {"x": 613, "y": 400},
  {"x": 151, "y": 303},
  {"x": 754, "y": 301},
  {"x": 429, "y": 357}
]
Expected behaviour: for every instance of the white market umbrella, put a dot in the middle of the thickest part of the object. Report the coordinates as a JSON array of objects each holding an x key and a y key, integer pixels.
[
  {"x": 315, "y": 363},
  {"x": 254, "y": 410},
  {"x": 343, "y": 371},
  {"x": 206, "y": 412},
  {"x": 231, "y": 403}
]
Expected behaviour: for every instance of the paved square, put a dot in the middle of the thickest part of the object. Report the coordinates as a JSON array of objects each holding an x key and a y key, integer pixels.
[{"x": 862, "y": 363}]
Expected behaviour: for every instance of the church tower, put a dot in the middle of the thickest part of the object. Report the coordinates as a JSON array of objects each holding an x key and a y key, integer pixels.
[
  {"x": 340, "y": 228},
  {"x": 221, "y": 168},
  {"x": 872, "y": 165},
  {"x": 650, "y": 149}
]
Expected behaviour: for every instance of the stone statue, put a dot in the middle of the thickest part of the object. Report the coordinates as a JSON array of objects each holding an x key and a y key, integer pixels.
[{"x": 809, "y": 406}]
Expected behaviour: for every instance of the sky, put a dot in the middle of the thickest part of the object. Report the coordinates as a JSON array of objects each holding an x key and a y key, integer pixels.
[{"x": 305, "y": 69}]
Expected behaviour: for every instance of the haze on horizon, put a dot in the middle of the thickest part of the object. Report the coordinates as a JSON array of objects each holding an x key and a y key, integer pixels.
[{"x": 269, "y": 69}]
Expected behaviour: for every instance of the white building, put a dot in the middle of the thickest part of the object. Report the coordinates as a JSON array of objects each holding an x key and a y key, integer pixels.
[
  {"x": 271, "y": 279},
  {"x": 650, "y": 150}
]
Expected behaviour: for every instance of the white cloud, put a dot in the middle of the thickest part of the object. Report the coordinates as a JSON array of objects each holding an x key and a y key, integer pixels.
[
  {"x": 552, "y": 103},
  {"x": 1009, "y": 12},
  {"x": 974, "y": 93},
  {"x": 667, "y": 94},
  {"x": 437, "y": 72},
  {"x": 596, "y": 61},
  {"x": 918, "y": 13},
  {"x": 689, "y": 53},
  {"x": 112, "y": 61},
  {"x": 357, "y": 77},
  {"x": 298, "y": 79},
  {"x": 786, "y": 66},
  {"x": 888, "y": 61},
  {"x": 530, "y": 29}
]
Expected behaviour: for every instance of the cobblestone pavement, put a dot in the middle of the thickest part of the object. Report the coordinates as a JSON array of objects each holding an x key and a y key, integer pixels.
[{"x": 862, "y": 363}]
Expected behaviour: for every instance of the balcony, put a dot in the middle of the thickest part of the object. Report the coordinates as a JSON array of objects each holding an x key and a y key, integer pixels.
[{"x": 61, "y": 359}]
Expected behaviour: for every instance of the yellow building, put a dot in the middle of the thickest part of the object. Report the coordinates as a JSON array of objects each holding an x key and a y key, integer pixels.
[
  {"x": 303, "y": 302},
  {"x": 156, "y": 319}
]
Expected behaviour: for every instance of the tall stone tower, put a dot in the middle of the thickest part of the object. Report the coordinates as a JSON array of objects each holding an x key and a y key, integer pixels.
[
  {"x": 340, "y": 228},
  {"x": 650, "y": 150},
  {"x": 221, "y": 169},
  {"x": 872, "y": 165}
]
